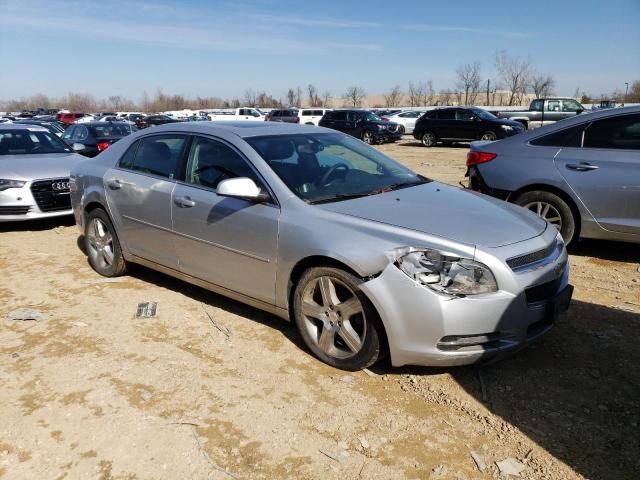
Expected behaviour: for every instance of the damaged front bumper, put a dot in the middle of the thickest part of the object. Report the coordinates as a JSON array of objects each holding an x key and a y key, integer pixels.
[{"x": 431, "y": 329}]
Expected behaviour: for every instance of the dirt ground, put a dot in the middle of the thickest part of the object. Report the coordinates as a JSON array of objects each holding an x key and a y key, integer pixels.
[{"x": 93, "y": 392}]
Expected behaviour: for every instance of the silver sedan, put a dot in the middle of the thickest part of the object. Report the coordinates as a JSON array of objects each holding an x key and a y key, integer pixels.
[
  {"x": 364, "y": 255},
  {"x": 34, "y": 173}
]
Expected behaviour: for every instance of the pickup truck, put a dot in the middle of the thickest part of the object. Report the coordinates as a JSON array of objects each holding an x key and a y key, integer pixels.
[
  {"x": 234, "y": 114},
  {"x": 543, "y": 111}
]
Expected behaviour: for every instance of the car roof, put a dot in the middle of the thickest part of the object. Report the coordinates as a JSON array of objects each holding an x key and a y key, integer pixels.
[
  {"x": 22, "y": 126},
  {"x": 98, "y": 123},
  {"x": 241, "y": 129}
]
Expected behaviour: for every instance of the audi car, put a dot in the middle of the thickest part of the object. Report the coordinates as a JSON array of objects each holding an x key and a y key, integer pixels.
[
  {"x": 365, "y": 256},
  {"x": 34, "y": 173}
]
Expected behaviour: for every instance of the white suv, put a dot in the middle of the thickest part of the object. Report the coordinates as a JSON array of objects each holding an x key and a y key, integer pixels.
[
  {"x": 407, "y": 119},
  {"x": 311, "y": 116}
]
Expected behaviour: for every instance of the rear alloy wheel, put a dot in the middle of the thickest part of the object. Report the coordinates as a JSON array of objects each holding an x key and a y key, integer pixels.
[
  {"x": 335, "y": 319},
  {"x": 429, "y": 139},
  {"x": 488, "y": 136},
  {"x": 367, "y": 137},
  {"x": 553, "y": 209},
  {"x": 102, "y": 246}
]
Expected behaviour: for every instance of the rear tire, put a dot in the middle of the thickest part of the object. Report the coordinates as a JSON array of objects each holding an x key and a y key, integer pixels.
[
  {"x": 429, "y": 139},
  {"x": 552, "y": 208},
  {"x": 336, "y": 320},
  {"x": 102, "y": 245}
]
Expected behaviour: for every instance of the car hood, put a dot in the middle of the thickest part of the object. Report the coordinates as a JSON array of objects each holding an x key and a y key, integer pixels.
[
  {"x": 506, "y": 121},
  {"x": 449, "y": 212},
  {"x": 31, "y": 167}
]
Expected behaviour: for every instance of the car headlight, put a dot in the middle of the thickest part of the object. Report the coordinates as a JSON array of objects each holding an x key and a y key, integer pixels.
[
  {"x": 5, "y": 184},
  {"x": 506, "y": 128},
  {"x": 381, "y": 127},
  {"x": 447, "y": 274}
]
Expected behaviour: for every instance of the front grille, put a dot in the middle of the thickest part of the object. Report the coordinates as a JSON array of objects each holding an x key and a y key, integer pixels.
[
  {"x": 543, "y": 292},
  {"x": 522, "y": 260},
  {"x": 392, "y": 128},
  {"x": 14, "y": 210},
  {"x": 52, "y": 195}
]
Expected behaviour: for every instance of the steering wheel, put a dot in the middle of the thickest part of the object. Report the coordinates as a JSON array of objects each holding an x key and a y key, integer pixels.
[{"x": 328, "y": 173}]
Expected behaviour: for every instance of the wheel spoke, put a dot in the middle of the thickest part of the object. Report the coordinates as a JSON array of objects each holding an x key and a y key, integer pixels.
[
  {"x": 545, "y": 210},
  {"x": 350, "y": 308},
  {"x": 539, "y": 208},
  {"x": 96, "y": 232},
  {"x": 350, "y": 337},
  {"x": 312, "y": 309},
  {"x": 328, "y": 291},
  {"x": 326, "y": 341},
  {"x": 553, "y": 219},
  {"x": 107, "y": 255}
]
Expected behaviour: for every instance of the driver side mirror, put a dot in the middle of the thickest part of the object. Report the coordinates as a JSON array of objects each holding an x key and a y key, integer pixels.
[{"x": 241, "y": 187}]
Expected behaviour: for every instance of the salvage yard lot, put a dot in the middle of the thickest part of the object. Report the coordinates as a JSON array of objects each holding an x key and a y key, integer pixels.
[{"x": 211, "y": 388}]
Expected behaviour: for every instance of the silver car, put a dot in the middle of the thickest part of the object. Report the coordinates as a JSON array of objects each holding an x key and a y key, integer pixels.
[
  {"x": 312, "y": 225},
  {"x": 34, "y": 173},
  {"x": 582, "y": 174}
]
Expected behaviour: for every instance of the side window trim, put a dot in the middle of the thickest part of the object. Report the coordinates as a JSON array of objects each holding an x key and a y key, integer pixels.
[{"x": 183, "y": 168}]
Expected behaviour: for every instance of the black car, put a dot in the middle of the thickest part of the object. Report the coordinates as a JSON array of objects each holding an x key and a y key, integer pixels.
[
  {"x": 91, "y": 138},
  {"x": 361, "y": 124},
  {"x": 458, "y": 124},
  {"x": 286, "y": 115},
  {"x": 152, "y": 120}
]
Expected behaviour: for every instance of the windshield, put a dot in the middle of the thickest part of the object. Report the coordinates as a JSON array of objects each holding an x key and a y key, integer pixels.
[
  {"x": 325, "y": 167},
  {"x": 113, "y": 130},
  {"x": 30, "y": 141},
  {"x": 483, "y": 114}
]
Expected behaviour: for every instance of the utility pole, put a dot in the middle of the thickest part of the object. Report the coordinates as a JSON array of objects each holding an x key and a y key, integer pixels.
[
  {"x": 626, "y": 90},
  {"x": 488, "y": 83}
]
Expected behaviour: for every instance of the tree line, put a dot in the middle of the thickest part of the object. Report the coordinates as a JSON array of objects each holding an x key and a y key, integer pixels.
[{"x": 514, "y": 81}]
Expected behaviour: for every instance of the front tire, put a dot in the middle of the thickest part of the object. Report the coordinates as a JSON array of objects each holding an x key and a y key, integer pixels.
[
  {"x": 429, "y": 139},
  {"x": 488, "y": 136},
  {"x": 553, "y": 209},
  {"x": 367, "y": 137},
  {"x": 336, "y": 320},
  {"x": 102, "y": 245}
]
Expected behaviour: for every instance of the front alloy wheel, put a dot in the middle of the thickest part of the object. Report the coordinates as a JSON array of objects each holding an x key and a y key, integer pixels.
[
  {"x": 367, "y": 137},
  {"x": 488, "y": 136},
  {"x": 335, "y": 319}
]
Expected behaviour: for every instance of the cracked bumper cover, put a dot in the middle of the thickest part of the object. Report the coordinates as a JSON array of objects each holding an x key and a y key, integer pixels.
[{"x": 426, "y": 328}]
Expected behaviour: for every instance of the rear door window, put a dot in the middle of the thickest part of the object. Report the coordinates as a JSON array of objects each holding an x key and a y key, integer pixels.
[
  {"x": 622, "y": 132},
  {"x": 156, "y": 155},
  {"x": 340, "y": 116},
  {"x": 449, "y": 114},
  {"x": 464, "y": 115},
  {"x": 569, "y": 137}
]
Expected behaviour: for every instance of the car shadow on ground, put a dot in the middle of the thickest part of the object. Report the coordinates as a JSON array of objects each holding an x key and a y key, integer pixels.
[
  {"x": 576, "y": 392},
  {"x": 606, "y": 250},
  {"x": 37, "y": 225}
]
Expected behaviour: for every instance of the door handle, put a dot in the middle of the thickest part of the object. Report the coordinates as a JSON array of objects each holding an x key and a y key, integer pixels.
[
  {"x": 115, "y": 184},
  {"x": 581, "y": 167},
  {"x": 184, "y": 202}
]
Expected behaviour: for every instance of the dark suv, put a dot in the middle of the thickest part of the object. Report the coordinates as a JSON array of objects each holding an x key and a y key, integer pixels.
[
  {"x": 459, "y": 124},
  {"x": 361, "y": 124},
  {"x": 287, "y": 115}
]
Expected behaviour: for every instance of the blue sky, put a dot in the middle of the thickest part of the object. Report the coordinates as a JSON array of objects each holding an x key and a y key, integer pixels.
[{"x": 221, "y": 48}]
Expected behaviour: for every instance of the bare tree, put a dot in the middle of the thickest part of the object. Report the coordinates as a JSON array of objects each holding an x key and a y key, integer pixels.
[
  {"x": 326, "y": 99},
  {"x": 413, "y": 95},
  {"x": 298, "y": 96},
  {"x": 427, "y": 93},
  {"x": 542, "y": 85},
  {"x": 249, "y": 98},
  {"x": 469, "y": 81},
  {"x": 291, "y": 97},
  {"x": 394, "y": 97},
  {"x": 314, "y": 98},
  {"x": 514, "y": 73},
  {"x": 354, "y": 95}
]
